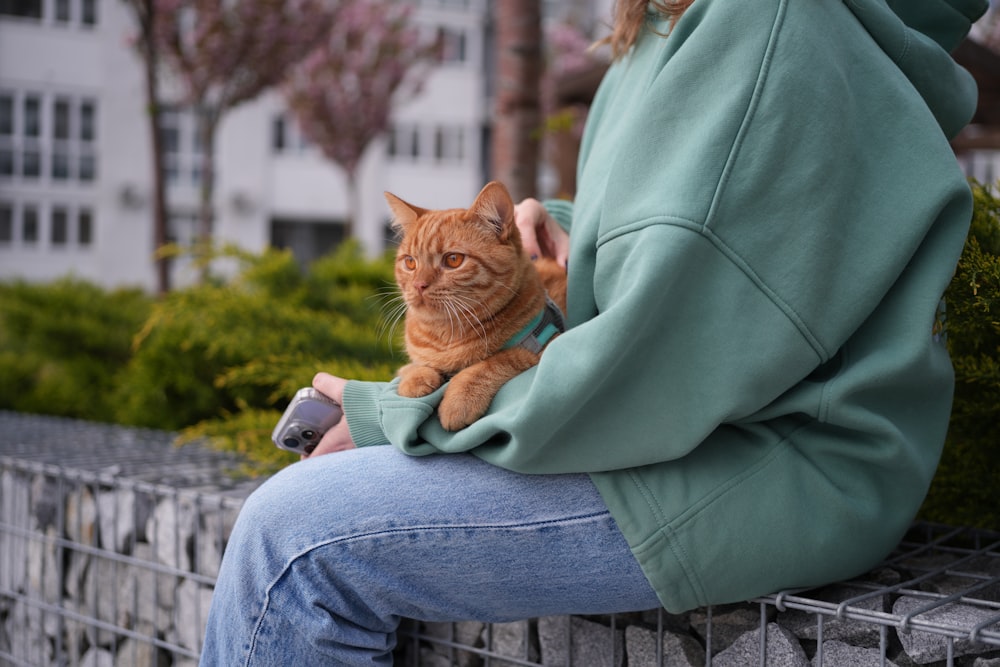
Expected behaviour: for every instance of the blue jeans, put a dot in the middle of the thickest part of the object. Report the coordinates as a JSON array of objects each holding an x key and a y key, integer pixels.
[{"x": 329, "y": 554}]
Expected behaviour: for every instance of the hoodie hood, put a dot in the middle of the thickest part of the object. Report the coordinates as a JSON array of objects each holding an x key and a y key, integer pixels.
[{"x": 918, "y": 36}]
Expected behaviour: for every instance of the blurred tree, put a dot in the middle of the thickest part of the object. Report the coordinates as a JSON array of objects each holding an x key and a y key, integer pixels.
[
  {"x": 145, "y": 44},
  {"x": 227, "y": 52},
  {"x": 516, "y": 128},
  {"x": 342, "y": 93}
]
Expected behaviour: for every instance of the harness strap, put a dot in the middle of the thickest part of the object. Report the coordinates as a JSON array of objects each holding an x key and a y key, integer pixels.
[{"x": 540, "y": 330}]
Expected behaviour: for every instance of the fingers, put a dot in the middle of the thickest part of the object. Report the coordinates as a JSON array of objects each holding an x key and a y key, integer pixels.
[
  {"x": 529, "y": 216},
  {"x": 330, "y": 385},
  {"x": 541, "y": 235},
  {"x": 337, "y": 439}
]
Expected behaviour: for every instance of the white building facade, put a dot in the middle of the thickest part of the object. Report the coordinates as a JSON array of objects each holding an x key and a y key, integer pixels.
[{"x": 75, "y": 161}]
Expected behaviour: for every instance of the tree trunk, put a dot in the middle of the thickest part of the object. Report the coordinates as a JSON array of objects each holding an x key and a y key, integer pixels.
[
  {"x": 353, "y": 205},
  {"x": 208, "y": 122},
  {"x": 517, "y": 125},
  {"x": 159, "y": 202}
]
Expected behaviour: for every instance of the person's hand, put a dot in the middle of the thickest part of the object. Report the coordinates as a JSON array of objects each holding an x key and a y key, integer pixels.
[
  {"x": 541, "y": 235},
  {"x": 338, "y": 438}
]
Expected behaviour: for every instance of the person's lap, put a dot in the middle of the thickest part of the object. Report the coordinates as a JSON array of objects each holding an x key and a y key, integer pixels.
[{"x": 330, "y": 553}]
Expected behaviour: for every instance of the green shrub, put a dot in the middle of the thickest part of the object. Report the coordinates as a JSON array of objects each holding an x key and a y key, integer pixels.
[
  {"x": 64, "y": 344},
  {"x": 966, "y": 488},
  {"x": 211, "y": 351}
]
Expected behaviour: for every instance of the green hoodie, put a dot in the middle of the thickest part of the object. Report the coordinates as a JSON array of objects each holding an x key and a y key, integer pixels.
[{"x": 768, "y": 213}]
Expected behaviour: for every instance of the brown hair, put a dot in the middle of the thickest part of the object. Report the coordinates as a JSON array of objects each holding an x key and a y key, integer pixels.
[{"x": 630, "y": 18}]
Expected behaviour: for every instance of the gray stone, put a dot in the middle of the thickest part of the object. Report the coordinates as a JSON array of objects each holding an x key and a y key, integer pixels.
[
  {"x": 27, "y": 630},
  {"x": 573, "y": 640},
  {"x": 97, "y": 658},
  {"x": 512, "y": 640},
  {"x": 466, "y": 633},
  {"x": 840, "y": 654},
  {"x": 191, "y": 614},
  {"x": 15, "y": 501},
  {"x": 81, "y": 516},
  {"x": 782, "y": 650},
  {"x": 210, "y": 542},
  {"x": 171, "y": 530},
  {"x": 44, "y": 567},
  {"x": 727, "y": 625},
  {"x": 678, "y": 650},
  {"x": 805, "y": 625},
  {"x": 136, "y": 653},
  {"x": 924, "y": 647},
  {"x": 123, "y": 514}
]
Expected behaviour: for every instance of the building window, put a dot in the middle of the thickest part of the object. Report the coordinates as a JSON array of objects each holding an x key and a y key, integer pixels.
[
  {"x": 278, "y": 142},
  {"x": 182, "y": 152},
  {"x": 6, "y": 134},
  {"x": 88, "y": 12},
  {"x": 449, "y": 144},
  {"x": 84, "y": 227},
  {"x": 31, "y": 131},
  {"x": 286, "y": 137},
  {"x": 73, "y": 134},
  {"x": 6, "y": 222},
  {"x": 404, "y": 141},
  {"x": 31, "y": 9},
  {"x": 45, "y": 136},
  {"x": 29, "y": 225},
  {"x": 453, "y": 45},
  {"x": 60, "y": 139},
  {"x": 59, "y": 11},
  {"x": 59, "y": 228}
]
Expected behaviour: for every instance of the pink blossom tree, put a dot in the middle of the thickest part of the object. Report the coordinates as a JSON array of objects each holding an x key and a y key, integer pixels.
[
  {"x": 341, "y": 94},
  {"x": 226, "y": 52}
]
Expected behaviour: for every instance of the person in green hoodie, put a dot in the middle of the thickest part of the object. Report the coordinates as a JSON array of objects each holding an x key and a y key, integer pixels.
[{"x": 752, "y": 392}]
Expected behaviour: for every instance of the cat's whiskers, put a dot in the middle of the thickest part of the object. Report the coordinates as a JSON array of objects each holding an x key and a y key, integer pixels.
[
  {"x": 468, "y": 313},
  {"x": 393, "y": 306}
]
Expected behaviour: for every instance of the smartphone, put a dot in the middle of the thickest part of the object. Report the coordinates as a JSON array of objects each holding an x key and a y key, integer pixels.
[{"x": 306, "y": 419}]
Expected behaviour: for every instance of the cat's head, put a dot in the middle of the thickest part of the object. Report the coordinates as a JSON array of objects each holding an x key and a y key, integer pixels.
[{"x": 459, "y": 262}]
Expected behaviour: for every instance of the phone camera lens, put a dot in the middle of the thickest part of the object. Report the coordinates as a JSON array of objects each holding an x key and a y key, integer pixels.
[
  {"x": 291, "y": 442},
  {"x": 308, "y": 434}
]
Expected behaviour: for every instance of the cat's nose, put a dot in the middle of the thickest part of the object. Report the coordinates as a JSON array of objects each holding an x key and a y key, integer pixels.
[{"x": 420, "y": 285}]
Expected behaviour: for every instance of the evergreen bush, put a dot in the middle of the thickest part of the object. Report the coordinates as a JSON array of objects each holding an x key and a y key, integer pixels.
[
  {"x": 214, "y": 350},
  {"x": 966, "y": 488},
  {"x": 64, "y": 345}
]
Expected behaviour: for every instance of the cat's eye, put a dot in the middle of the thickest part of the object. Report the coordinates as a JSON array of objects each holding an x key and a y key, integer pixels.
[
  {"x": 453, "y": 260},
  {"x": 409, "y": 262}
]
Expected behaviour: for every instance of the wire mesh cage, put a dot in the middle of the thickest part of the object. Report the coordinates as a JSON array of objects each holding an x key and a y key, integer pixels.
[
  {"x": 934, "y": 601},
  {"x": 110, "y": 542},
  {"x": 111, "y": 539}
]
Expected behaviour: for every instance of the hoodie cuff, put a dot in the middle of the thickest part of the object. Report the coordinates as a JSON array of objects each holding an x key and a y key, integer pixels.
[
  {"x": 364, "y": 416},
  {"x": 561, "y": 210}
]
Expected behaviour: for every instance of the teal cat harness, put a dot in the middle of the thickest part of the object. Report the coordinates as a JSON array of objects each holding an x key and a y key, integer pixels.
[{"x": 540, "y": 330}]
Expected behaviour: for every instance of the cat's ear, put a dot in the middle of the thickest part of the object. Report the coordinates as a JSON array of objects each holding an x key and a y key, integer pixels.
[
  {"x": 403, "y": 214},
  {"x": 494, "y": 206}
]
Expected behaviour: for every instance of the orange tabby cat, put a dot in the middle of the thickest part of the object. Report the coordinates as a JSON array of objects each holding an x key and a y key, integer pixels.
[{"x": 476, "y": 306}]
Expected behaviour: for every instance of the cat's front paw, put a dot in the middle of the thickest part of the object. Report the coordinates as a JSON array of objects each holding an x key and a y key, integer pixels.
[
  {"x": 457, "y": 412},
  {"x": 464, "y": 401},
  {"x": 416, "y": 381}
]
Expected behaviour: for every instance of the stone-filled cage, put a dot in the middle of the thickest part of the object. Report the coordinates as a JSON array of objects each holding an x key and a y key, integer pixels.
[{"x": 111, "y": 539}]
